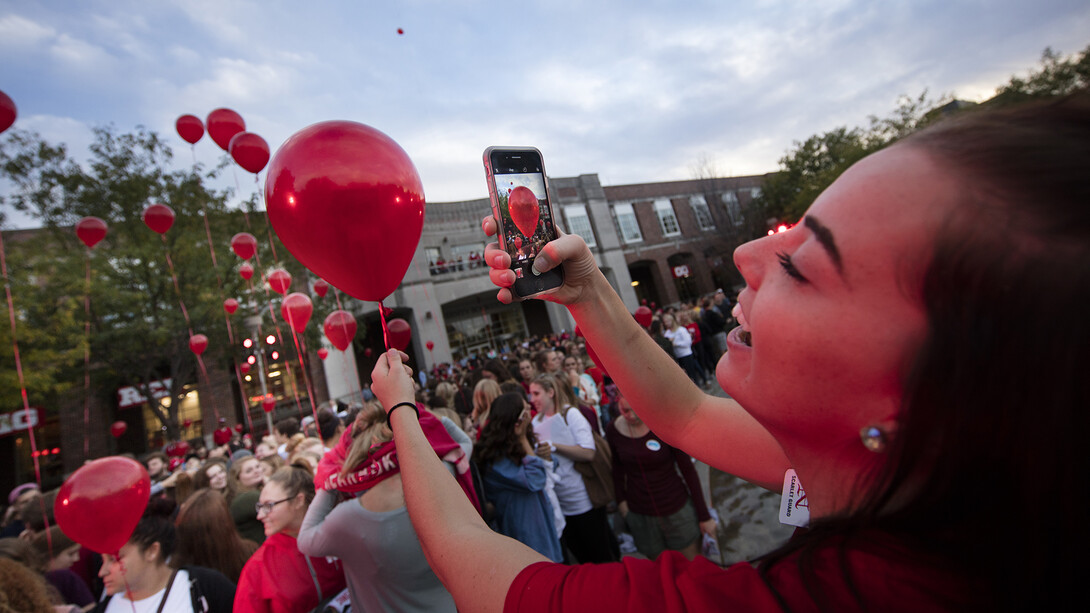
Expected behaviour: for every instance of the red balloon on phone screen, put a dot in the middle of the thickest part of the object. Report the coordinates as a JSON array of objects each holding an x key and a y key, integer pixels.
[{"x": 524, "y": 209}]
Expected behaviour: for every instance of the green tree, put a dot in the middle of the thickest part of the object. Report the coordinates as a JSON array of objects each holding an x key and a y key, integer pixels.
[{"x": 1056, "y": 76}]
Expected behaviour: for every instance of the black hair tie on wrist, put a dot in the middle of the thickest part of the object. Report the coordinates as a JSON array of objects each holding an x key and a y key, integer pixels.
[{"x": 395, "y": 407}]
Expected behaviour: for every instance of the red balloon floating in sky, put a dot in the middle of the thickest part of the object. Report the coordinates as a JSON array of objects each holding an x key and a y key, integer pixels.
[
  {"x": 91, "y": 230},
  {"x": 230, "y": 305},
  {"x": 400, "y": 31},
  {"x": 223, "y": 124},
  {"x": 244, "y": 245},
  {"x": 323, "y": 353},
  {"x": 246, "y": 271},
  {"x": 296, "y": 310},
  {"x": 159, "y": 217},
  {"x": 524, "y": 208},
  {"x": 198, "y": 343},
  {"x": 101, "y": 503},
  {"x": 7, "y": 112},
  {"x": 340, "y": 328},
  {"x": 399, "y": 333},
  {"x": 250, "y": 151},
  {"x": 321, "y": 288},
  {"x": 280, "y": 281},
  {"x": 339, "y": 183},
  {"x": 189, "y": 128},
  {"x": 118, "y": 428}
]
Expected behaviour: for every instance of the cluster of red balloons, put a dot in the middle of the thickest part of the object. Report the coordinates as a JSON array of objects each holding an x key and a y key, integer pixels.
[{"x": 228, "y": 130}]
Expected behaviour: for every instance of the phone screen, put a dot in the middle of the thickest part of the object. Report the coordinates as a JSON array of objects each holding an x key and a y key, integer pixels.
[{"x": 525, "y": 215}]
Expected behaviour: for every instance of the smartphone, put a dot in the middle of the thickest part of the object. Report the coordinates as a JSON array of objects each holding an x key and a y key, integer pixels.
[{"x": 521, "y": 205}]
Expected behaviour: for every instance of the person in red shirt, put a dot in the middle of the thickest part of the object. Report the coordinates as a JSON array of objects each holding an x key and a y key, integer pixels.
[{"x": 913, "y": 353}]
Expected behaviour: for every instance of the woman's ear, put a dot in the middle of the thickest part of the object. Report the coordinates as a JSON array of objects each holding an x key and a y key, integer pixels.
[{"x": 151, "y": 554}]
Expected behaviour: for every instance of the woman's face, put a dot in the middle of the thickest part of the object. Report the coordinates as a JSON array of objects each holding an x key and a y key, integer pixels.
[
  {"x": 263, "y": 450},
  {"x": 267, "y": 469},
  {"x": 285, "y": 514},
  {"x": 668, "y": 321},
  {"x": 217, "y": 476},
  {"x": 571, "y": 364},
  {"x": 65, "y": 559},
  {"x": 832, "y": 305},
  {"x": 132, "y": 567},
  {"x": 526, "y": 370},
  {"x": 627, "y": 413},
  {"x": 250, "y": 474},
  {"x": 540, "y": 398},
  {"x": 192, "y": 465}
]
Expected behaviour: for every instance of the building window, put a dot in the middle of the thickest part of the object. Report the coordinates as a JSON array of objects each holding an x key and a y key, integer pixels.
[
  {"x": 626, "y": 223},
  {"x": 755, "y": 193},
  {"x": 579, "y": 223},
  {"x": 734, "y": 209},
  {"x": 702, "y": 213},
  {"x": 667, "y": 219}
]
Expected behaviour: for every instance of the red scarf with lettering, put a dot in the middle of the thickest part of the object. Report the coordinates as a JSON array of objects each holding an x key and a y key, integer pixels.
[{"x": 382, "y": 463}]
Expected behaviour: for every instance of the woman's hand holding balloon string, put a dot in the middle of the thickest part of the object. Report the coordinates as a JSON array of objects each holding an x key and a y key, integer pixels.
[
  {"x": 715, "y": 430},
  {"x": 451, "y": 530}
]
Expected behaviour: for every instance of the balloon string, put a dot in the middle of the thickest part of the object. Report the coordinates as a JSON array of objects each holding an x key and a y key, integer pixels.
[
  {"x": 19, "y": 366},
  {"x": 125, "y": 579},
  {"x": 337, "y": 295},
  {"x": 177, "y": 289},
  {"x": 208, "y": 382},
  {"x": 87, "y": 361},
  {"x": 268, "y": 224},
  {"x": 385, "y": 328},
  {"x": 303, "y": 367}
]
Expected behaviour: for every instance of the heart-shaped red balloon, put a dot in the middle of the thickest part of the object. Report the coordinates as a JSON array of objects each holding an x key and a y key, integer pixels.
[
  {"x": 159, "y": 217},
  {"x": 399, "y": 333},
  {"x": 268, "y": 403},
  {"x": 246, "y": 271},
  {"x": 198, "y": 343},
  {"x": 91, "y": 230},
  {"x": 101, "y": 503},
  {"x": 244, "y": 368},
  {"x": 339, "y": 183},
  {"x": 7, "y": 112},
  {"x": 643, "y": 316},
  {"x": 118, "y": 428},
  {"x": 244, "y": 245},
  {"x": 296, "y": 310},
  {"x": 340, "y": 329},
  {"x": 323, "y": 353},
  {"x": 430, "y": 345},
  {"x": 524, "y": 208},
  {"x": 189, "y": 128},
  {"x": 280, "y": 281},
  {"x": 223, "y": 124},
  {"x": 230, "y": 305},
  {"x": 321, "y": 288},
  {"x": 250, "y": 151}
]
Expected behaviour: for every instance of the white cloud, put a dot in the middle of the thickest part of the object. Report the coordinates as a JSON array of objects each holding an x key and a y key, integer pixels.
[{"x": 17, "y": 31}]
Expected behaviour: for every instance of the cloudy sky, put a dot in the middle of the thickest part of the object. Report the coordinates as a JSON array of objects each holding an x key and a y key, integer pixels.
[{"x": 636, "y": 91}]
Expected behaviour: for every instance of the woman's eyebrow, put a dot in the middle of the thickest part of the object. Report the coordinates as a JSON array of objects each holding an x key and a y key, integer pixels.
[{"x": 825, "y": 237}]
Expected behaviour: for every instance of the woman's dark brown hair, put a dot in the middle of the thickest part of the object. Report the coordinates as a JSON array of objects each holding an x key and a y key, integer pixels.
[
  {"x": 498, "y": 438},
  {"x": 207, "y": 536}
]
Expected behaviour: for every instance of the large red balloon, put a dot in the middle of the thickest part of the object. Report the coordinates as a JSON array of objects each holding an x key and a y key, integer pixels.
[
  {"x": 525, "y": 210},
  {"x": 198, "y": 343},
  {"x": 337, "y": 184},
  {"x": 323, "y": 353},
  {"x": 7, "y": 112},
  {"x": 118, "y": 428},
  {"x": 101, "y": 503},
  {"x": 223, "y": 124},
  {"x": 244, "y": 245},
  {"x": 91, "y": 230},
  {"x": 246, "y": 271},
  {"x": 189, "y": 128},
  {"x": 321, "y": 288},
  {"x": 399, "y": 333},
  {"x": 340, "y": 329},
  {"x": 643, "y": 316},
  {"x": 280, "y": 281},
  {"x": 296, "y": 310},
  {"x": 250, "y": 151},
  {"x": 230, "y": 305},
  {"x": 159, "y": 217}
]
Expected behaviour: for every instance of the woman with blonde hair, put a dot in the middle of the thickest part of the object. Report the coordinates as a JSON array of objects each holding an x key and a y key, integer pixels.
[
  {"x": 484, "y": 393},
  {"x": 244, "y": 482}
]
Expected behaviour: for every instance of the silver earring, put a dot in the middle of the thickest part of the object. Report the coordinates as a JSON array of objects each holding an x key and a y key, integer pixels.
[{"x": 874, "y": 438}]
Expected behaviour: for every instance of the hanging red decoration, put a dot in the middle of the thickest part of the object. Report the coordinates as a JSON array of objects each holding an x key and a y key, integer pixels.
[
  {"x": 296, "y": 310},
  {"x": 159, "y": 217},
  {"x": 101, "y": 503},
  {"x": 525, "y": 210},
  {"x": 430, "y": 345},
  {"x": 118, "y": 428},
  {"x": 230, "y": 305},
  {"x": 339, "y": 183},
  {"x": 189, "y": 128},
  {"x": 7, "y": 112},
  {"x": 323, "y": 353},
  {"x": 400, "y": 333},
  {"x": 91, "y": 230},
  {"x": 250, "y": 151},
  {"x": 321, "y": 288},
  {"x": 244, "y": 245},
  {"x": 244, "y": 368},
  {"x": 238, "y": 428},
  {"x": 643, "y": 316},
  {"x": 198, "y": 343},
  {"x": 367, "y": 352},
  {"x": 268, "y": 403},
  {"x": 224, "y": 124},
  {"x": 246, "y": 271},
  {"x": 340, "y": 328},
  {"x": 280, "y": 281}
]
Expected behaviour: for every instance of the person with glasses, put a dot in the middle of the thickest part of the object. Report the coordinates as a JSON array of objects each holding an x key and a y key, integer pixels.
[{"x": 279, "y": 578}]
